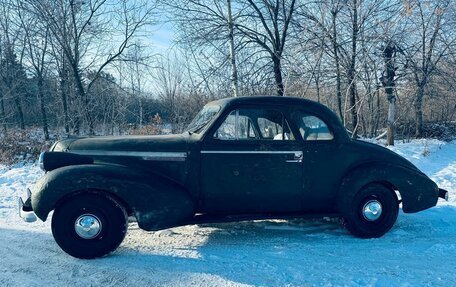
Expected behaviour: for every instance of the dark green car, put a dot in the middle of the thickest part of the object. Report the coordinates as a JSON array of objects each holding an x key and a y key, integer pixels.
[{"x": 241, "y": 158}]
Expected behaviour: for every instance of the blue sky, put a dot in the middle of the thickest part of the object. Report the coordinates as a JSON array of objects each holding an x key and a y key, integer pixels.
[{"x": 163, "y": 37}]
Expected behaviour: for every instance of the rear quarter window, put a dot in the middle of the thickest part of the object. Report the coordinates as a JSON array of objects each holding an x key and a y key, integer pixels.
[{"x": 313, "y": 128}]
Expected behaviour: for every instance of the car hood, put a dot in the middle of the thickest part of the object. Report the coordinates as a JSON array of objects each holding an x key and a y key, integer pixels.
[{"x": 156, "y": 143}]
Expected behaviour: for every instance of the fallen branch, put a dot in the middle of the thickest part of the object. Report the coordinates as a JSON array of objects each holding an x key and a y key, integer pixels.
[{"x": 381, "y": 135}]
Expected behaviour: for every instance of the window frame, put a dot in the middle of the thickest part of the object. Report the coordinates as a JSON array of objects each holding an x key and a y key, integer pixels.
[
  {"x": 224, "y": 115},
  {"x": 236, "y": 130},
  {"x": 202, "y": 130},
  {"x": 297, "y": 116}
]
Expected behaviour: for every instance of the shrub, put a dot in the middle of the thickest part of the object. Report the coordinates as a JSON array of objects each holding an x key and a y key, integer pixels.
[{"x": 17, "y": 146}]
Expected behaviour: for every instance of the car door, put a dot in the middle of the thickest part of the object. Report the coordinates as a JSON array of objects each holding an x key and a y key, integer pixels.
[
  {"x": 251, "y": 163},
  {"x": 322, "y": 161}
]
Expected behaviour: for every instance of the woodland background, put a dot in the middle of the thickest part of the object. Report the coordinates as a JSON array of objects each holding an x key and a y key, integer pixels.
[{"x": 89, "y": 67}]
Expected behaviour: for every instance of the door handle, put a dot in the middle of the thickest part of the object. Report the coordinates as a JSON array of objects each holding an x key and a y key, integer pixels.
[{"x": 297, "y": 157}]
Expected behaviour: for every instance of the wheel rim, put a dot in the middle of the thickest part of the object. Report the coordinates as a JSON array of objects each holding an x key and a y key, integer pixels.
[
  {"x": 87, "y": 226},
  {"x": 372, "y": 210}
]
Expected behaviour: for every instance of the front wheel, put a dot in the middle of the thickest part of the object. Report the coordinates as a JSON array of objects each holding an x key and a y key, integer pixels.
[
  {"x": 89, "y": 225},
  {"x": 372, "y": 213}
]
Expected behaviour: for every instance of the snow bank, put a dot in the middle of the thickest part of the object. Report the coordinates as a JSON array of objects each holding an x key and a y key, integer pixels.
[{"x": 419, "y": 251}]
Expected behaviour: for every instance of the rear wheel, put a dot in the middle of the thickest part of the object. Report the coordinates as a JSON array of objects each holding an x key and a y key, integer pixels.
[
  {"x": 89, "y": 225},
  {"x": 373, "y": 211}
]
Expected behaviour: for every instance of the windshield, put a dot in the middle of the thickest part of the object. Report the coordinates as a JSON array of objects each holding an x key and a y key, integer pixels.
[{"x": 203, "y": 118}]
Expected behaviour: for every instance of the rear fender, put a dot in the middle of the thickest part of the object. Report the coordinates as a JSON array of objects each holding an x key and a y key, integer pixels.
[
  {"x": 156, "y": 202},
  {"x": 418, "y": 192}
]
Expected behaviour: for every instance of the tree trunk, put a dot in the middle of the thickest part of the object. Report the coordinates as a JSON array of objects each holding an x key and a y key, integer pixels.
[
  {"x": 3, "y": 114},
  {"x": 84, "y": 97},
  {"x": 370, "y": 105},
  {"x": 77, "y": 125},
  {"x": 17, "y": 101},
  {"x": 141, "y": 113},
  {"x": 353, "y": 108},
  {"x": 337, "y": 62},
  {"x": 89, "y": 118},
  {"x": 278, "y": 75},
  {"x": 419, "y": 111},
  {"x": 388, "y": 82},
  {"x": 391, "y": 118},
  {"x": 378, "y": 109},
  {"x": 234, "y": 76},
  {"x": 351, "y": 71},
  {"x": 137, "y": 90},
  {"x": 43, "y": 109},
  {"x": 63, "y": 93}
]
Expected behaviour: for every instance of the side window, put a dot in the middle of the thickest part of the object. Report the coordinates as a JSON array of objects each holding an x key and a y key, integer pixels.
[
  {"x": 313, "y": 128},
  {"x": 236, "y": 126},
  {"x": 273, "y": 126},
  {"x": 250, "y": 124}
]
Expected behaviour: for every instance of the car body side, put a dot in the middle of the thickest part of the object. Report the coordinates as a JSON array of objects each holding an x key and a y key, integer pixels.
[{"x": 166, "y": 190}]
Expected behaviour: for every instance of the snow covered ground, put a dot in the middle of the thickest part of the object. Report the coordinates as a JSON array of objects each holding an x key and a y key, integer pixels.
[{"x": 419, "y": 251}]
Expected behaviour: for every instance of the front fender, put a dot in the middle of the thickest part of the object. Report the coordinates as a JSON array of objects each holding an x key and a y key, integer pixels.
[
  {"x": 418, "y": 191},
  {"x": 156, "y": 202}
]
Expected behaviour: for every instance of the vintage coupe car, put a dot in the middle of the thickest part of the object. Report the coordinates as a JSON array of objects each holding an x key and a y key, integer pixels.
[{"x": 241, "y": 158}]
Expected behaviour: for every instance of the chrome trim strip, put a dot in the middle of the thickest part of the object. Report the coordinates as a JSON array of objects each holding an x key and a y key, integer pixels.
[
  {"x": 157, "y": 156},
  {"x": 296, "y": 153}
]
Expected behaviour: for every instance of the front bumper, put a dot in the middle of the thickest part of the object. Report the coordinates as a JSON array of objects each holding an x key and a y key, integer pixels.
[{"x": 25, "y": 208}]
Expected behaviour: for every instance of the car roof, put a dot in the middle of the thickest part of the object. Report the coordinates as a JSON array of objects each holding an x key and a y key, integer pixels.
[
  {"x": 293, "y": 102},
  {"x": 273, "y": 100}
]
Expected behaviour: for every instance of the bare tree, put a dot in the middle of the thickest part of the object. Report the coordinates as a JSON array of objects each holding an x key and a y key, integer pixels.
[
  {"x": 36, "y": 39},
  {"x": 12, "y": 71},
  {"x": 234, "y": 74},
  {"x": 75, "y": 25},
  {"x": 351, "y": 71},
  {"x": 424, "y": 47},
  {"x": 323, "y": 24},
  {"x": 336, "y": 8},
  {"x": 136, "y": 65},
  {"x": 64, "y": 76},
  {"x": 206, "y": 28},
  {"x": 388, "y": 82},
  {"x": 170, "y": 86},
  {"x": 267, "y": 25},
  {"x": 82, "y": 61}
]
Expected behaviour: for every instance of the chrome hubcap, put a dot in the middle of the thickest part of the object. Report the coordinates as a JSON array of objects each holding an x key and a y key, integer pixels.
[
  {"x": 87, "y": 226},
  {"x": 372, "y": 210}
]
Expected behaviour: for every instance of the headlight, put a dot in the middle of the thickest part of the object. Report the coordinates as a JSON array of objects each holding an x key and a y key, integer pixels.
[{"x": 41, "y": 161}]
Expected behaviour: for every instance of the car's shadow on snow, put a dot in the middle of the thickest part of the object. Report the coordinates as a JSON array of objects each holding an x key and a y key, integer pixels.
[
  {"x": 271, "y": 231},
  {"x": 277, "y": 252},
  {"x": 266, "y": 253}
]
